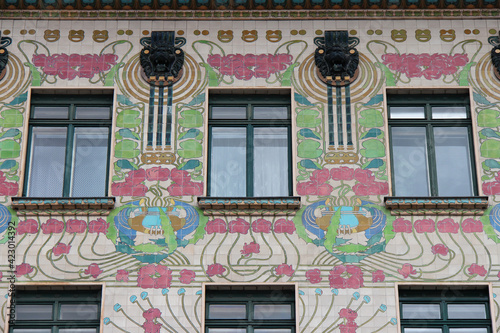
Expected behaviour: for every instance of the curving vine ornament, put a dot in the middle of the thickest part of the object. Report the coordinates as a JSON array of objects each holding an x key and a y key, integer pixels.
[
  {"x": 495, "y": 54},
  {"x": 336, "y": 58},
  {"x": 162, "y": 57},
  {"x": 4, "y": 54}
]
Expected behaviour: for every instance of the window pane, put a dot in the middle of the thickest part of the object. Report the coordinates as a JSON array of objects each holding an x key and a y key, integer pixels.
[
  {"x": 227, "y": 311},
  {"x": 272, "y": 330},
  {"x": 229, "y": 112},
  {"x": 272, "y": 311},
  {"x": 270, "y": 161},
  {"x": 50, "y": 112},
  {"x": 34, "y": 312},
  {"x": 467, "y": 311},
  {"x": 32, "y": 330},
  {"x": 228, "y": 162},
  {"x": 48, "y": 152},
  {"x": 270, "y": 112},
  {"x": 93, "y": 112},
  {"x": 78, "y": 312},
  {"x": 422, "y": 330},
  {"x": 454, "y": 174},
  {"x": 227, "y": 330},
  {"x": 78, "y": 330},
  {"x": 421, "y": 311},
  {"x": 90, "y": 158},
  {"x": 409, "y": 153},
  {"x": 449, "y": 112},
  {"x": 469, "y": 330},
  {"x": 407, "y": 112}
]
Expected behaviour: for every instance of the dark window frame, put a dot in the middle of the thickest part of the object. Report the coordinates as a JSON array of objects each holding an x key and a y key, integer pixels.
[
  {"x": 72, "y": 102},
  {"x": 249, "y": 102},
  {"x": 428, "y": 101},
  {"x": 444, "y": 296},
  {"x": 56, "y": 298},
  {"x": 250, "y": 298}
]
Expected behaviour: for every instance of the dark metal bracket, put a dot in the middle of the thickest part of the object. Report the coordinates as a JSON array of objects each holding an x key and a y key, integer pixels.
[{"x": 162, "y": 58}]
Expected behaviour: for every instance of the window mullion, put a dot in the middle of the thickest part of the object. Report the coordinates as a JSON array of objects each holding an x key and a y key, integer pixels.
[
  {"x": 431, "y": 163},
  {"x": 250, "y": 162},
  {"x": 68, "y": 168}
]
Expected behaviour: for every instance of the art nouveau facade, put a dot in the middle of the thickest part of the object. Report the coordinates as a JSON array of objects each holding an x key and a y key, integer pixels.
[{"x": 250, "y": 167}]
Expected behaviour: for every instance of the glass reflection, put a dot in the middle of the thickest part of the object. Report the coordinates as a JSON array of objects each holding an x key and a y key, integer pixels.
[
  {"x": 453, "y": 164},
  {"x": 227, "y": 311},
  {"x": 228, "y": 162},
  {"x": 409, "y": 153}
]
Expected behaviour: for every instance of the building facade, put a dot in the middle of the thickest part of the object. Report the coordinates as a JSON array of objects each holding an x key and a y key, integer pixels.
[{"x": 250, "y": 167}]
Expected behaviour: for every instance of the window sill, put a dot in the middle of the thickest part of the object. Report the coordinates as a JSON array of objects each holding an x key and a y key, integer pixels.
[
  {"x": 93, "y": 206},
  {"x": 248, "y": 205},
  {"x": 475, "y": 205}
]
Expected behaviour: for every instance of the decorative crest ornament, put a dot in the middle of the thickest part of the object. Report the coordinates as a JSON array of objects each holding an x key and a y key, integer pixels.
[
  {"x": 336, "y": 58},
  {"x": 162, "y": 57},
  {"x": 4, "y": 54},
  {"x": 495, "y": 54}
]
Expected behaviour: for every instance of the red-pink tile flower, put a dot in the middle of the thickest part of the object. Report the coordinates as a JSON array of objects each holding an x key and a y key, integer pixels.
[
  {"x": 7, "y": 188},
  {"x": 313, "y": 276},
  {"x": 132, "y": 185},
  {"x": 250, "y": 248},
  {"x": 129, "y": 189},
  {"x": 425, "y": 225},
  {"x": 157, "y": 174},
  {"x": 440, "y": 249},
  {"x": 187, "y": 276},
  {"x": 364, "y": 176},
  {"x": 23, "y": 269},
  {"x": 284, "y": 269},
  {"x": 122, "y": 275},
  {"x": 52, "y": 226},
  {"x": 430, "y": 66},
  {"x": 29, "y": 226},
  {"x": 349, "y": 327},
  {"x": 76, "y": 226},
  {"x": 283, "y": 226},
  {"x": 492, "y": 188},
  {"x": 216, "y": 226},
  {"x": 183, "y": 185},
  {"x": 378, "y": 276},
  {"x": 477, "y": 269},
  {"x": 60, "y": 249},
  {"x": 154, "y": 276},
  {"x": 348, "y": 314},
  {"x": 247, "y": 66},
  {"x": 470, "y": 225},
  {"x": 261, "y": 225},
  {"x": 74, "y": 65},
  {"x": 239, "y": 226},
  {"x": 151, "y": 325},
  {"x": 316, "y": 185},
  {"x": 215, "y": 269},
  {"x": 93, "y": 270},
  {"x": 99, "y": 226},
  {"x": 406, "y": 270},
  {"x": 402, "y": 225},
  {"x": 342, "y": 173},
  {"x": 448, "y": 226}
]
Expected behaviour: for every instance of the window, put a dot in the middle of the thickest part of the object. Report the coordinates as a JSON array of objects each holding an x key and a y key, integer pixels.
[
  {"x": 431, "y": 145},
  {"x": 239, "y": 310},
  {"x": 439, "y": 309},
  {"x": 56, "y": 311},
  {"x": 68, "y": 146},
  {"x": 249, "y": 149}
]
